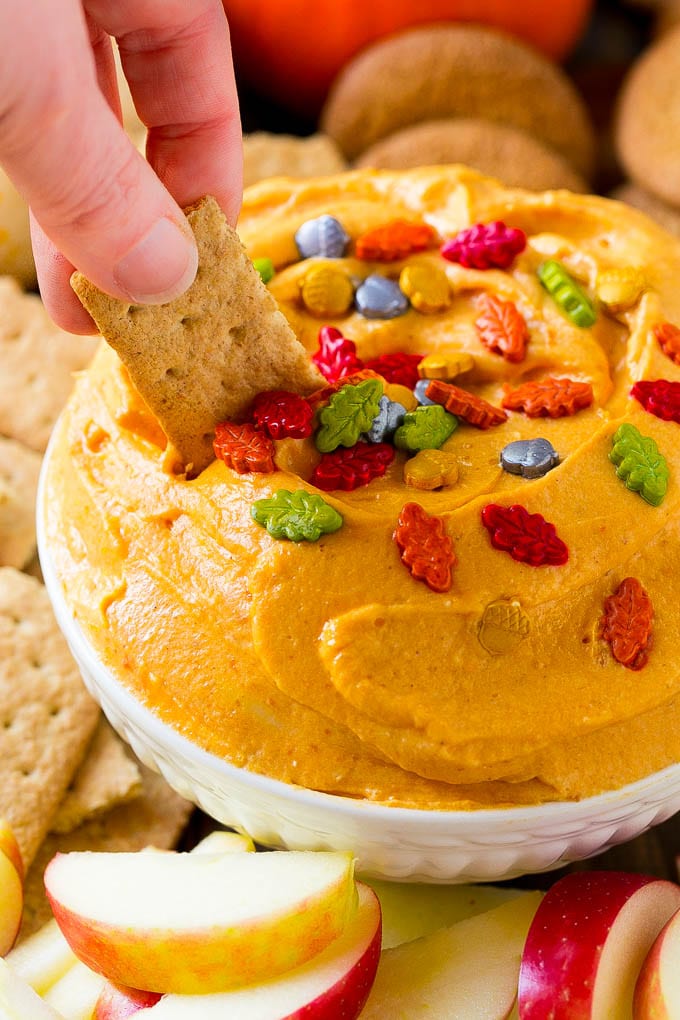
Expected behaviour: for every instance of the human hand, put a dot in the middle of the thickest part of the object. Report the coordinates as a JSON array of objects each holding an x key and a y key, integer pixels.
[{"x": 96, "y": 204}]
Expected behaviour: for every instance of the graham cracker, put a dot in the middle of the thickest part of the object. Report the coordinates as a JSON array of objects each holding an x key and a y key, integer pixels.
[
  {"x": 271, "y": 155},
  {"x": 107, "y": 776},
  {"x": 202, "y": 358},
  {"x": 19, "y": 471},
  {"x": 156, "y": 818},
  {"x": 46, "y": 715},
  {"x": 38, "y": 361}
]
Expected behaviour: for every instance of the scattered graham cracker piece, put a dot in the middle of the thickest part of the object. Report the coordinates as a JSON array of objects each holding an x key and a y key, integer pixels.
[
  {"x": 107, "y": 777},
  {"x": 202, "y": 358},
  {"x": 19, "y": 471},
  {"x": 38, "y": 361},
  {"x": 271, "y": 155},
  {"x": 46, "y": 715},
  {"x": 156, "y": 818}
]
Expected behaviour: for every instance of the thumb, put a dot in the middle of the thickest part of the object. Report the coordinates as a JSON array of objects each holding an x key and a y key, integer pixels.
[{"x": 91, "y": 192}]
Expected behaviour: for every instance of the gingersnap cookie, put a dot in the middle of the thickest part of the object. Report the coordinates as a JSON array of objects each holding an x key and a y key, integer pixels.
[
  {"x": 456, "y": 70},
  {"x": 497, "y": 150},
  {"x": 647, "y": 129},
  {"x": 667, "y": 216}
]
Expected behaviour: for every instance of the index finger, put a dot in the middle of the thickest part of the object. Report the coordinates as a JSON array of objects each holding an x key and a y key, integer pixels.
[{"x": 177, "y": 60}]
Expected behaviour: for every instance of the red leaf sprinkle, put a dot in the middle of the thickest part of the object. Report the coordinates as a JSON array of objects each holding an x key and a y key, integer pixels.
[
  {"x": 529, "y": 538},
  {"x": 350, "y": 467},
  {"x": 659, "y": 397},
  {"x": 336, "y": 356},
  {"x": 243, "y": 448}
]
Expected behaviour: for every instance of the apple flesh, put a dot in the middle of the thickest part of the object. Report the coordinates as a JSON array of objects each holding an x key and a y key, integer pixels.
[
  {"x": 10, "y": 847},
  {"x": 410, "y": 910},
  {"x": 587, "y": 944},
  {"x": 657, "y": 990},
  {"x": 199, "y": 923},
  {"x": 18, "y": 1001},
  {"x": 11, "y": 894},
  {"x": 43, "y": 958},
  {"x": 75, "y": 995},
  {"x": 222, "y": 842},
  {"x": 467, "y": 970},
  {"x": 334, "y": 984}
]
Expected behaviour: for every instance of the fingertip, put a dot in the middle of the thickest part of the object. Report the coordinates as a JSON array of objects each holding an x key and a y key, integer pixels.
[{"x": 54, "y": 276}]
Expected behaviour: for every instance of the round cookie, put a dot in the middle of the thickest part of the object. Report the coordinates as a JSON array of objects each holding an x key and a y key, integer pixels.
[
  {"x": 272, "y": 155},
  {"x": 494, "y": 149},
  {"x": 667, "y": 216},
  {"x": 456, "y": 70},
  {"x": 647, "y": 130}
]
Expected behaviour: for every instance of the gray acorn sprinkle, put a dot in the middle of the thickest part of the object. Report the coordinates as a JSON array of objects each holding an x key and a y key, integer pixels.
[
  {"x": 324, "y": 236},
  {"x": 380, "y": 298},
  {"x": 420, "y": 388},
  {"x": 390, "y": 416},
  {"x": 530, "y": 458}
]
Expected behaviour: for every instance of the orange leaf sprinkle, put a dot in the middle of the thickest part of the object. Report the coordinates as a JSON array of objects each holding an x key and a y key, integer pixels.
[
  {"x": 468, "y": 406},
  {"x": 501, "y": 328},
  {"x": 425, "y": 547},
  {"x": 549, "y": 398},
  {"x": 668, "y": 336},
  {"x": 394, "y": 241},
  {"x": 243, "y": 448},
  {"x": 627, "y": 623}
]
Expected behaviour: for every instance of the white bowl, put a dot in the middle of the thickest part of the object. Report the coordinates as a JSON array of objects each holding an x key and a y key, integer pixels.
[{"x": 393, "y": 843}]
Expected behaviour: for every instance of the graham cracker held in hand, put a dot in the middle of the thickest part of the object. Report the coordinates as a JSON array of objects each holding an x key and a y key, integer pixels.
[
  {"x": 46, "y": 715},
  {"x": 107, "y": 777},
  {"x": 156, "y": 818},
  {"x": 202, "y": 358}
]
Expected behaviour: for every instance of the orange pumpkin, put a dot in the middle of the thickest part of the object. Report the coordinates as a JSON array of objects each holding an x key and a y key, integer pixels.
[{"x": 291, "y": 50}]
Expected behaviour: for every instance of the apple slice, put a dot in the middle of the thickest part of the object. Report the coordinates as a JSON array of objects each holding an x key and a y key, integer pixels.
[
  {"x": 117, "y": 1003},
  {"x": 587, "y": 943},
  {"x": 18, "y": 1001},
  {"x": 467, "y": 970},
  {"x": 11, "y": 889},
  {"x": 42, "y": 958},
  {"x": 657, "y": 990},
  {"x": 222, "y": 842},
  {"x": 74, "y": 996},
  {"x": 10, "y": 847},
  {"x": 198, "y": 923},
  {"x": 410, "y": 910},
  {"x": 334, "y": 984}
]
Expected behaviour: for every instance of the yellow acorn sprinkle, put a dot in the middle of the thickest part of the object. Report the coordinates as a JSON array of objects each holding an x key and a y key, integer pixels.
[
  {"x": 445, "y": 366},
  {"x": 401, "y": 395},
  {"x": 502, "y": 626},
  {"x": 427, "y": 288},
  {"x": 431, "y": 469},
  {"x": 327, "y": 291},
  {"x": 620, "y": 289}
]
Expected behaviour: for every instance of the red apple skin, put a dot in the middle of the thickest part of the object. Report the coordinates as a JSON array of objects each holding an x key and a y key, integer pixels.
[
  {"x": 566, "y": 939},
  {"x": 653, "y": 998},
  {"x": 347, "y": 997},
  {"x": 118, "y": 1003}
]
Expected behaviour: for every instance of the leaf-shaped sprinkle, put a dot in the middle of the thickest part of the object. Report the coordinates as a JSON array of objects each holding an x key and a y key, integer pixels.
[
  {"x": 659, "y": 397},
  {"x": 529, "y": 538},
  {"x": 349, "y": 468},
  {"x": 627, "y": 623},
  {"x": 298, "y": 515},
  {"x": 426, "y": 428},
  {"x": 549, "y": 398},
  {"x": 350, "y": 412},
  {"x": 639, "y": 463},
  {"x": 567, "y": 294},
  {"x": 243, "y": 448},
  {"x": 425, "y": 547},
  {"x": 668, "y": 337},
  {"x": 472, "y": 409},
  {"x": 501, "y": 328}
]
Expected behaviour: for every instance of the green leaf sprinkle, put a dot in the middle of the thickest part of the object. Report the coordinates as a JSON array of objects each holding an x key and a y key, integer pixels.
[
  {"x": 567, "y": 294},
  {"x": 298, "y": 515},
  {"x": 350, "y": 413},
  {"x": 639, "y": 463},
  {"x": 426, "y": 428},
  {"x": 265, "y": 268}
]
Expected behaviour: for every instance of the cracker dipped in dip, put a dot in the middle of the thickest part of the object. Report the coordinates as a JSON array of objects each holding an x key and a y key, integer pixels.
[{"x": 450, "y": 576}]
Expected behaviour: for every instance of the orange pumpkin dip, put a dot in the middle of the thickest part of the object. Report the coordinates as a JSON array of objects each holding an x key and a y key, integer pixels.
[{"x": 327, "y": 664}]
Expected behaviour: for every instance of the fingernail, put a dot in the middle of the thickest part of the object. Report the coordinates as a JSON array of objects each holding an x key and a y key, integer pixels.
[{"x": 160, "y": 267}]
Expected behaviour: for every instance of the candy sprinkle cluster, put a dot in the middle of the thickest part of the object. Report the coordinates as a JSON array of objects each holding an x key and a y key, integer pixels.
[{"x": 401, "y": 410}]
